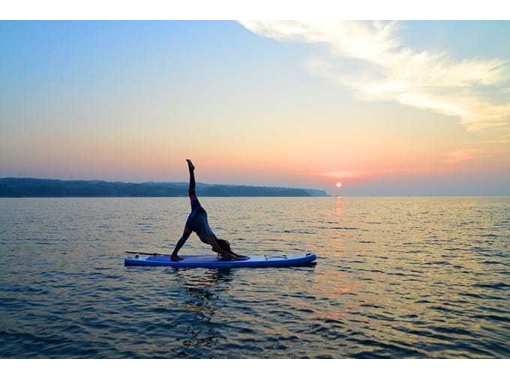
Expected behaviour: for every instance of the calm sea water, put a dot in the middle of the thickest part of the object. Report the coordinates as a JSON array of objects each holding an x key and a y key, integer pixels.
[{"x": 396, "y": 277}]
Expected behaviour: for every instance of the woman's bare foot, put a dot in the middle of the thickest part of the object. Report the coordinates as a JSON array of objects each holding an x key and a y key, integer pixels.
[
  {"x": 237, "y": 256},
  {"x": 190, "y": 164},
  {"x": 233, "y": 257},
  {"x": 176, "y": 258},
  {"x": 227, "y": 257}
]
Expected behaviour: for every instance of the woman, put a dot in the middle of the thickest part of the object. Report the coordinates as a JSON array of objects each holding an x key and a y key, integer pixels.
[{"x": 197, "y": 222}]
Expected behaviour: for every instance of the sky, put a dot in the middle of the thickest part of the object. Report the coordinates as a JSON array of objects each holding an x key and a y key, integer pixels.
[{"x": 382, "y": 108}]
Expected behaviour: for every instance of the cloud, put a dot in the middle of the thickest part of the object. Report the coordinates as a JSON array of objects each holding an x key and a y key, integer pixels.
[
  {"x": 388, "y": 70},
  {"x": 501, "y": 141}
]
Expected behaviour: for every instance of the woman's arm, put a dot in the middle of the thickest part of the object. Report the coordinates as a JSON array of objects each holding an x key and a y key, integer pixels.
[
  {"x": 180, "y": 243},
  {"x": 216, "y": 248}
]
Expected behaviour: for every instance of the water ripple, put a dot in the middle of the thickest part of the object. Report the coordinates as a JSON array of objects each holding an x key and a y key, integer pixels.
[{"x": 396, "y": 277}]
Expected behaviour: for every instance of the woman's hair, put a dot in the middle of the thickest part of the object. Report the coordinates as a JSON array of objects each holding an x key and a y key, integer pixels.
[{"x": 224, "y": 244}]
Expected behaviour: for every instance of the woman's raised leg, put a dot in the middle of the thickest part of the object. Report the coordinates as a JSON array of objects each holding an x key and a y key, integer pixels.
[{"x": 192, "y": 184}]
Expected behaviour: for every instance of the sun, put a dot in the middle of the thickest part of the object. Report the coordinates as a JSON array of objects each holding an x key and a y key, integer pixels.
[{"x": 338, "y": 184}]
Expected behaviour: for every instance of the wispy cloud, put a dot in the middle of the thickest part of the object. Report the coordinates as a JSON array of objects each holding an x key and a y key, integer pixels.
[
  {"x": 501, "y": 141},
  {"x": 388, "y": 70}
]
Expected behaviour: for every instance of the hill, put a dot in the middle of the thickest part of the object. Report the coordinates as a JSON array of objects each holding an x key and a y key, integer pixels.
[{"x": 32, "y": 187}]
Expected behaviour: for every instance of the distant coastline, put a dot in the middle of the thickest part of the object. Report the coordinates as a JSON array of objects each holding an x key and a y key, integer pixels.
[{"x": 39, "y": 188}]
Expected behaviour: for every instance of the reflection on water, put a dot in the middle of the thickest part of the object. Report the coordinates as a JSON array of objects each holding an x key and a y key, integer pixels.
[
  {"x": 201, "y": 288},
  {"x": 396, "y": 277}
]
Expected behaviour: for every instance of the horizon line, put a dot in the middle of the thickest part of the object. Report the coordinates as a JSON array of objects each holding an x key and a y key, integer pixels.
[{"x": 263, "y": 186}]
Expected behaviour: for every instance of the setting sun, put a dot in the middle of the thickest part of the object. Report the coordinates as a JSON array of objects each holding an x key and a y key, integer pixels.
[{"x": 338, "y": 184}]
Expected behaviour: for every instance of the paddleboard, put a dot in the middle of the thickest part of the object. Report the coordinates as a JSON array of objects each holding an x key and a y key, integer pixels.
[{"x": 211, "y": 261}]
